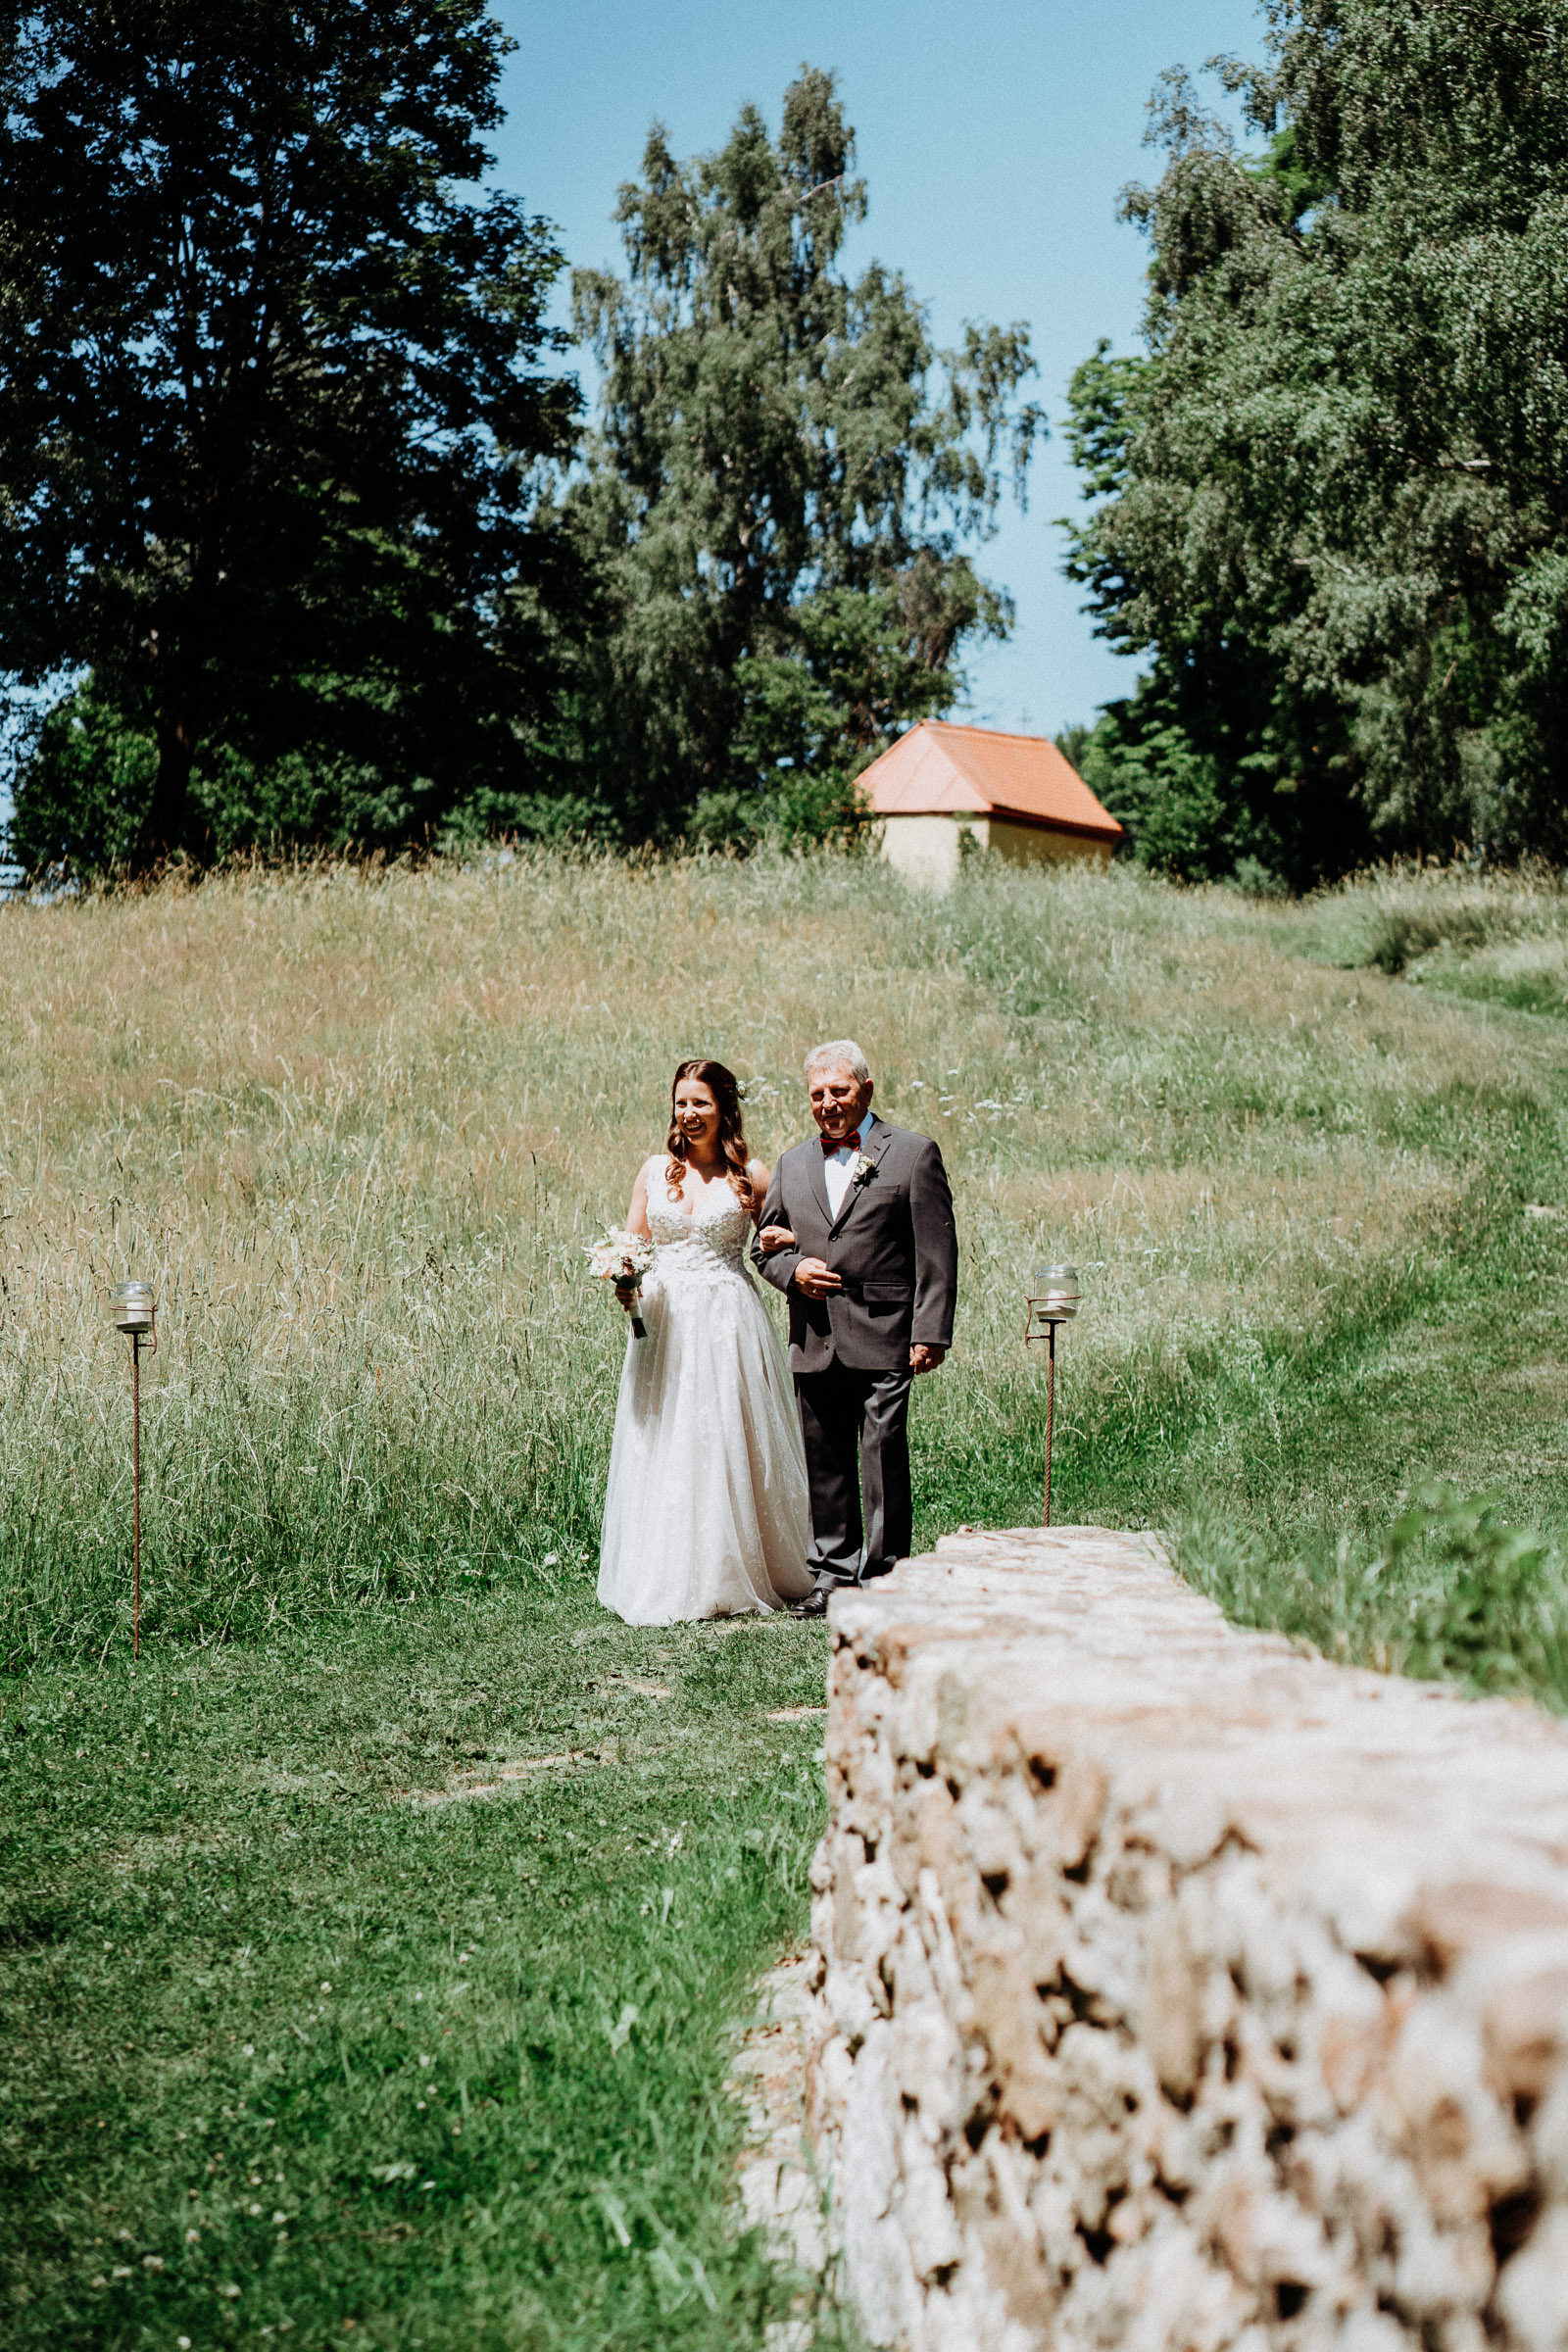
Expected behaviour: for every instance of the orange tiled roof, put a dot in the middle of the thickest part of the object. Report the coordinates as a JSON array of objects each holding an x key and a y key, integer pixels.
[{"x": 940, "y": 770}]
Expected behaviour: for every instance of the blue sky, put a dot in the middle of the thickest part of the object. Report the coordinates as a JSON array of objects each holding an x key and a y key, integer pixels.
[{"x": 995, "y": 138}]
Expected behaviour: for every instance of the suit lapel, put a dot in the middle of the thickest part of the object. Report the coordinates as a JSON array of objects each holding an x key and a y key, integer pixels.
[
  {"x": 817, "y": 1177},
  {"x": 874, "y": 1150}
]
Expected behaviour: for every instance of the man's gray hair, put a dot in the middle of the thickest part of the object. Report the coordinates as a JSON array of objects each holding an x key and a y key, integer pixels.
[{"x": 839, "y": 1053}]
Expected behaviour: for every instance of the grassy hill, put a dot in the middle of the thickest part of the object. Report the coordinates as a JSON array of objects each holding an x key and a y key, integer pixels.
[{"x": 357, "y": 1127}]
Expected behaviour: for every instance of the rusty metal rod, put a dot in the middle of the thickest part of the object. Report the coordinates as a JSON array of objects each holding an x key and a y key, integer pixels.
[
  {"x": 1050, "y": 1406},
  {"x": 135, "y": 1484}
]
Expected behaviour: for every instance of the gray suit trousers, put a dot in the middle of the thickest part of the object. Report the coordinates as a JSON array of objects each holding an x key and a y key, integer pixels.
[{"x": 855, "y": 1427}]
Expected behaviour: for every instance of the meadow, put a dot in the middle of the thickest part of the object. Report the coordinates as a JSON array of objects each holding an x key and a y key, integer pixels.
[{"x": 383, "y": 1761}]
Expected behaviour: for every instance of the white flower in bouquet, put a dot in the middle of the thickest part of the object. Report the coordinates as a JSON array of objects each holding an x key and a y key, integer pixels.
[{"x": 623, "y": 1258}]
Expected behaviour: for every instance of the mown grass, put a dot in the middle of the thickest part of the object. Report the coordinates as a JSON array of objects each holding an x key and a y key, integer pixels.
[
  {"x": 358, "y": 1127},
  {"x": 303, "y": 2042}
]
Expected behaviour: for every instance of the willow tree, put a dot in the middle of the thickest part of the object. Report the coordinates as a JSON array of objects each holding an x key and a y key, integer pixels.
[{"x": 785, "y": 488}]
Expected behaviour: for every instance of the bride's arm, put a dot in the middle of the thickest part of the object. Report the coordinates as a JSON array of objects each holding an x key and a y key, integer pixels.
[
  {"x": 637, "y": 1214},
  {"x": 769, "y": 1237},
  {"x": 774, "y": 1254}
]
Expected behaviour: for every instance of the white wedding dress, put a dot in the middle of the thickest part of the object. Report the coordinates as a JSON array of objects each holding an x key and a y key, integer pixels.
[{"x": 706, "y": 1510}]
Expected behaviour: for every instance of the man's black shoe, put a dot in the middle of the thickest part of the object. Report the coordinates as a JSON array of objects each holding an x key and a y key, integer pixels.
[{"x": 813, "y": 1605}]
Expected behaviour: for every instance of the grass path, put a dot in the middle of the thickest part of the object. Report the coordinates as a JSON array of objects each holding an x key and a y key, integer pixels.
[{"x": 302, "y": 2046}]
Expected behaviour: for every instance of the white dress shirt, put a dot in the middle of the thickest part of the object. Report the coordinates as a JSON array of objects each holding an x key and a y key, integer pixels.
[{"x": 836, "y": 1164}]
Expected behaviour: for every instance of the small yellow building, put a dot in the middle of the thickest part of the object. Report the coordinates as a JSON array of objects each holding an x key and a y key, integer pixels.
[{"x": 1011, "y": 794}]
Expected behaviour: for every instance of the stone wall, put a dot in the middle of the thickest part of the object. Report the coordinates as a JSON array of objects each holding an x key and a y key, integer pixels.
[{"x": 1176, "y": 1991}]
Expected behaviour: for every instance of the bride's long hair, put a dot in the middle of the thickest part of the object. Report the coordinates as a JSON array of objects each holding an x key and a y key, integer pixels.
[{"x": 724, "y": 1087}]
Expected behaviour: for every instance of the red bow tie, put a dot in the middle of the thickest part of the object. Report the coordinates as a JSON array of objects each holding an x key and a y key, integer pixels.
[{"x": 851, "y": 1143}]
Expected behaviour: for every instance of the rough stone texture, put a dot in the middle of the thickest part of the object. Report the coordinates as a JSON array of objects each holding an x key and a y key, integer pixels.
[
  {"x": 1176, "y": 1991},
  {"x": 776, "y": 2177}
]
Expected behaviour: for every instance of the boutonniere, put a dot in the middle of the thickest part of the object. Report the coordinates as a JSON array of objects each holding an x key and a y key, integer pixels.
[{"x": 862, "y": 1167}]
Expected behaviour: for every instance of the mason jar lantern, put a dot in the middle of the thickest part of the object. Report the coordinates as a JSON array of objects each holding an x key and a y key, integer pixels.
[{"x": 132, "y": 1309}]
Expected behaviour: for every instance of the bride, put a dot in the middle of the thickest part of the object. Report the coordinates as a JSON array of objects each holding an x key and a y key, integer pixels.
[{"x": 706, "y": 1514}]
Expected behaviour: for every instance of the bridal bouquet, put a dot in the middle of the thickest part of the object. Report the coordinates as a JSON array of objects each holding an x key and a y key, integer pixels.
[{"x": 623, "y": 1258}]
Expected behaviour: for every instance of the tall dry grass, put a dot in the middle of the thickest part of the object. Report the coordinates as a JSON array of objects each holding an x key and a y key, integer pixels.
[{"x": 357, "y": 1126}]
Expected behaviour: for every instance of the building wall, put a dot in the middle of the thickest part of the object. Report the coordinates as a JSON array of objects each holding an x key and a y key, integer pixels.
[
  {"x": 1036, "y": 844},
  {"x": 927, "y": 849},
  {"x": 924, "y": 849}
]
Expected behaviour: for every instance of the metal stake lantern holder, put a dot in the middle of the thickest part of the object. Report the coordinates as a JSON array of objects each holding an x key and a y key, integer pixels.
[
  {"x": 134, "y": 1310},
  {"x": 1056, "y": 1301}
]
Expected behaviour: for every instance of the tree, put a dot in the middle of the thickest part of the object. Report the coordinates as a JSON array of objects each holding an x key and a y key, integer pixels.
[
  {"x": 1334, "y": 489},
  {"x": 782, "y": 489},
  {"x": 272, "y": 401},
  {"x": 1214, "y": 763}
]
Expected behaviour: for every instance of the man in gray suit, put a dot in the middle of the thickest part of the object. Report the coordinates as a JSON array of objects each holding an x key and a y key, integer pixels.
[{"x": 869, "y": 1264}]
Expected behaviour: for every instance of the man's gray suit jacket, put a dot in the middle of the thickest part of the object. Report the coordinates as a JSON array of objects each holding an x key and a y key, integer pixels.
[{"x": 893, "y": 1244}]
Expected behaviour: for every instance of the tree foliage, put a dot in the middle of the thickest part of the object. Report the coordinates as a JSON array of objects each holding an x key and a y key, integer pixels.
[
  {"x": 272, "y": 395},
  {"x": 1332, "y": 490},
  {"x": 783, "y": 487}
]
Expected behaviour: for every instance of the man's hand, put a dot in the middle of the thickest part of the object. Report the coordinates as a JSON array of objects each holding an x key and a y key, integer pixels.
[
  {"x": 925, "y": 1359},
  {"x": 814, "y": 1280}
]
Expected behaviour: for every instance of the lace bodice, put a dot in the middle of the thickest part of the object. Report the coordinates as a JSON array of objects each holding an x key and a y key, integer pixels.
[{"x": 716, "y": 1229}]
